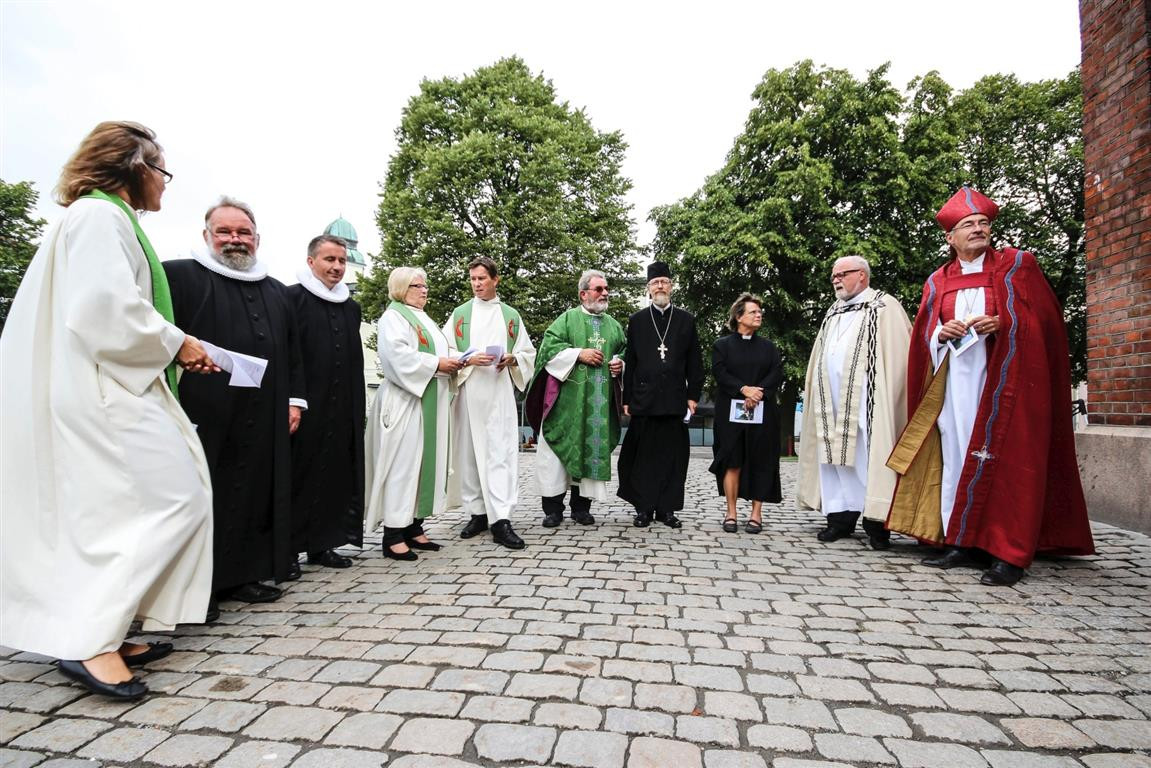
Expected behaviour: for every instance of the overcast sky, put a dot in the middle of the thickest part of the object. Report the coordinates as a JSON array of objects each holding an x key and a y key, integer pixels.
[{"x": 293, "y": 107}]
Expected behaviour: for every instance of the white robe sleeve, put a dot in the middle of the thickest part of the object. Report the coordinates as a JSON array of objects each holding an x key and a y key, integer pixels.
[
  {"x": 525, "y": 354},
  {"x": 562, "y": 364},
  {"x": 106, "y": 311},
  {"x": 401, "y": 360}
]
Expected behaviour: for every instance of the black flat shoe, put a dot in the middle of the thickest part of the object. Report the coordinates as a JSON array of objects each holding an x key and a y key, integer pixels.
[
  {"x": 830, "y": 534},
  {"x": 477, "y": 525},
  {"x": 293, "y": 573},
  {"x": 426, "y": 546},
  {"x": 127, "y": 691},
  {"x": 255, "y": 593},
  {"x": 730, "y": 525},
  {"x": 642, "y": 520},
  {"x": 329, "y": 558},
  {"x": 155, "y": 652},
  {"x": 391, "y": 554},
  {"x": 1002, "y": 574},
  {"x": 671, "y": 521},
  {"x": 953, "y": 557},
  {"x": 503, "y": 535},
  {"x": 753, "y": 526}
]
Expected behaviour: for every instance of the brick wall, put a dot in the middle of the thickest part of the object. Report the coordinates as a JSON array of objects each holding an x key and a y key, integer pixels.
[{"x": 1117, "y": 158}]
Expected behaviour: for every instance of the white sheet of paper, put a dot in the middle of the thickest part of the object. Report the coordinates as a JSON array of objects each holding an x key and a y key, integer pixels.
[
  {"x": 740, "y": 416},
  {"x": 246, "y": 370},
  {"x": 467, "y": 353},
  {"x": 964, "y": 342},
  {"x": 496, "y": 352},
  {"x": 687, "y": 416}
]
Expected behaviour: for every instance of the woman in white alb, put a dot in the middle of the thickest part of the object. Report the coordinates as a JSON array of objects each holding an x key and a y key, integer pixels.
[
  {"x": 107, "y": 506},
  {"x": 407, "y": 432}
]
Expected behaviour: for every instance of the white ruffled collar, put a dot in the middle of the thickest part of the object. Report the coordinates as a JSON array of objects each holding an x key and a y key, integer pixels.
[
  {"x": 257, "y": 272},
  {"x": 316, "y": 287}
]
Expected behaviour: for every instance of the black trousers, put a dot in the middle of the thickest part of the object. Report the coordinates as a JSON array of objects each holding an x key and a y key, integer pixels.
[
  {"x": 396, "y": 535},
  {"x": 554, "y": 505}
]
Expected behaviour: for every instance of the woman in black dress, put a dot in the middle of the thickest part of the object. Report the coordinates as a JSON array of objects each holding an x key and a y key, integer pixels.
[{"x": 748, "y": 370}]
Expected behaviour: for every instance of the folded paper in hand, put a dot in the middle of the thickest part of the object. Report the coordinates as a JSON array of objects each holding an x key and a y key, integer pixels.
[{"x": 246, "y": 370}]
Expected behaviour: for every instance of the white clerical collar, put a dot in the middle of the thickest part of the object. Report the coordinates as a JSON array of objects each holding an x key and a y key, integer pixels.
[
  {"x": 658, "y": 308},
  {"x": 316, "y": 287},
  {"x": 487, "y": 302},
  {"x": 975, "y": 265},
  {"x": 746, "y": 336},
  {"x": 256, "y": 272}
]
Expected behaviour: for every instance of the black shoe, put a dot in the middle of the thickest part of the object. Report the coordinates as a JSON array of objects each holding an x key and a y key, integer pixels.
[
  {"x": 255, "y": 593},
  {"x": 642, "y": 519},
  {"x": 670, "y": 520},
  {"x": 393, "y": 555},
  {"x": 832, "y": 533},
  {"x": 155, "y": 652},
  {"x": 877, "y": 534},
  {"x": 583, "y": 517},
  {"x": 293, "y": 573},
  {"x": 213, "y": 614},
  {"x": 76, "y": 671},
  {"x": 503, "y": 535},
  {"x": 553, "y": 519},
  {"x": 730, "y": 525},
  {"x": 1002, "y": 574},
  {"x": 753, "y": 526},
  {"x": 427, "y": 546},
  {"x": 329, "y": 558},
  {"x": 477, "y": 525},
  {"x": 952, "y": 557}
]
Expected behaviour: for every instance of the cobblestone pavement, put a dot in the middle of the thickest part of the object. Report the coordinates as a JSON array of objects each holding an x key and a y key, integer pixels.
[{"x": 611, "y": 646}]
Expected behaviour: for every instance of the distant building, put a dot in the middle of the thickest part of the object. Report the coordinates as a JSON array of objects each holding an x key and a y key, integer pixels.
[{"x": 357, "y": 264}]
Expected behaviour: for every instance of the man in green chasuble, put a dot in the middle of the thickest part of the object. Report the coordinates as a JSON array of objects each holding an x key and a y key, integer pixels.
[{"x": 573, "y": 403}]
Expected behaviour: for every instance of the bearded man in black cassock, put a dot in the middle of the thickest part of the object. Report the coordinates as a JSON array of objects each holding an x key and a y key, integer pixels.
[
  {"x": 662, "y": 383},
  {"x": 227, "y": 298},
  {"x": 328, "y": 448}
]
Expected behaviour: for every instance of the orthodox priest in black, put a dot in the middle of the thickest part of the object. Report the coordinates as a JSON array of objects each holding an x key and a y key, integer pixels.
[
  {"x": 227, "y": 298},
  {"x": 328, "y": 448},
  {"x": 662, "y": 383}
]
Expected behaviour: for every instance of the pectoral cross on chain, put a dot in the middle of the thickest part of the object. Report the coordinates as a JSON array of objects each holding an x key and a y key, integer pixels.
[{"x": 662, "y": 351}]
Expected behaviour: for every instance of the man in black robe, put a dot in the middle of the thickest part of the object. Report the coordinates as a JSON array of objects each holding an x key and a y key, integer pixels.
[
  {"x": 227, "y": 298},
  {"x": 662, "y": 383},
  {"x": 328, "y": 448}
]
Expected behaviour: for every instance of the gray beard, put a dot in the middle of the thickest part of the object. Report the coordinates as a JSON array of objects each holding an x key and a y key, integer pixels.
[
  {"x": 661, "y": 300},
  {"x": 237, "y": 258},
  {"x": 596, "y": 307}
]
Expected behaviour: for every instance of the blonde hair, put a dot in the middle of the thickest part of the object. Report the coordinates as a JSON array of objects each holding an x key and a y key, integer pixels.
[
  {"x": 401, "y": 279},
  {"x": 114, "y": 156}
]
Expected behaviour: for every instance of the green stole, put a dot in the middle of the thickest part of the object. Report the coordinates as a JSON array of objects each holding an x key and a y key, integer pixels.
[
  {"x": 161, "y": 293},
  {"x": 429, "y": 402},
  {"x": 583, "y": 428},
  {"x": 462, "y": 324}
]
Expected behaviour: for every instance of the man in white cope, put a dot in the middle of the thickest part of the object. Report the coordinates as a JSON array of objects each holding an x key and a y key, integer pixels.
[
  {"x": 854, "y": 406},
  {"x": 407, "y": 432},
  {"x": 485, "y": 420}
]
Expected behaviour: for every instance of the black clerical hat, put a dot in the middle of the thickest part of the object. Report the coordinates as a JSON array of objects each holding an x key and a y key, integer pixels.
[{"x": 658, "y": 269}]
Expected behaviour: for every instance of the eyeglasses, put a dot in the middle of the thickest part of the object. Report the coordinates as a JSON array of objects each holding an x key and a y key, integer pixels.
[
  {"x": 228, "y": 234},
  {"x": 418, "y": 286},
  {"x": 659, "y": 282},
  {"x": 167, "y": 176},
  {"x": 967, "y": 226},
  {"x": 840, "y": 275},
  {"x": 598, "y": 289}
]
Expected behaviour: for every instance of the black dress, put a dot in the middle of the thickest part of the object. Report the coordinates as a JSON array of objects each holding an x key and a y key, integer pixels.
[{"x": 752, "y": 448}]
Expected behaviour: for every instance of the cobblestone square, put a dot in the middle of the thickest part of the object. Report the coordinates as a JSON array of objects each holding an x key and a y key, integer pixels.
[{"x": 611, "y": 646}]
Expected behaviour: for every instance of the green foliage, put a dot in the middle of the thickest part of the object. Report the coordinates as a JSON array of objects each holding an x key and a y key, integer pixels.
[
  {"x": 18, "y": 235},
  {"x": 829, "y": 165},
  {"x": 493, "y": 165}
]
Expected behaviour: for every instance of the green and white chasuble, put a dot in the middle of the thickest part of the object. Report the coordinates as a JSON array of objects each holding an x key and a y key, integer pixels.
[{"x": 582, "y": 428}]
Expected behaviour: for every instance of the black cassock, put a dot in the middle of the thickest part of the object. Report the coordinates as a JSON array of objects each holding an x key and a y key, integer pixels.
[
  {"x": 328, "y": 448},
  {"x": 653, "y": 459},
  {"x": 244, "y": 431},
  {"x": 752, "y": 448}
]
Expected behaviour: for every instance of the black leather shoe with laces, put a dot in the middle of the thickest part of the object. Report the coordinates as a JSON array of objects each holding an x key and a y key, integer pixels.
[{"x": 477, "y": 525}]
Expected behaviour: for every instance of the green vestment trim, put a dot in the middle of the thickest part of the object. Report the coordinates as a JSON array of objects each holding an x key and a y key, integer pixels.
[
  {"x": 462, "y": 325},
  {"x": 161, "y": 293},
  {"x": 429, "y": 402},
  {"x": 582, "y": 428}
]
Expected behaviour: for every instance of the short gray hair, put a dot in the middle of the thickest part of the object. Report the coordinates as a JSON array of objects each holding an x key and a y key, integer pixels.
[
  {"x": 230, "y": 202},
  {"x": 860, "y": 263},
  {"x": 400, "y": 280},
  {"x": 588, "y": 274}
]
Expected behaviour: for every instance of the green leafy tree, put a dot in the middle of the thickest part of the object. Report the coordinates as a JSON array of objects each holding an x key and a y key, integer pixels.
[
  {"x": 19, "y": 232},
  {"x": 494, "y": 165}
]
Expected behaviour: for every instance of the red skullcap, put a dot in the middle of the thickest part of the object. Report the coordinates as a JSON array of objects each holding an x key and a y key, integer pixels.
[{"x": 964, "y": 203}]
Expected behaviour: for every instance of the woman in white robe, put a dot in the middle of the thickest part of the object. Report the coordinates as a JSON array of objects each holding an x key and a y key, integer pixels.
[
  {"x": 407, "y": 467},
  {"x": 106, "y": 514}
]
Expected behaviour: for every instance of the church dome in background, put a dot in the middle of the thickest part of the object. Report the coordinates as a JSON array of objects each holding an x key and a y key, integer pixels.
[{"x": 341, "y": 227}]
